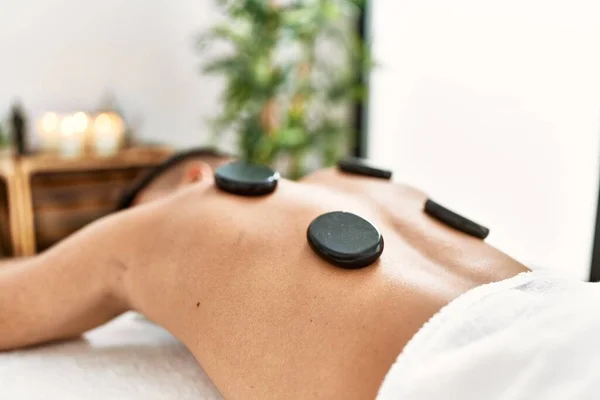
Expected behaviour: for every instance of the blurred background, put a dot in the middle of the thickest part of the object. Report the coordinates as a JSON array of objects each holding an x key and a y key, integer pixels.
[
  {"x": 67, "y": 55},
  {"x": 491, "y": 107},
  {"x": 494, "y": 108}
]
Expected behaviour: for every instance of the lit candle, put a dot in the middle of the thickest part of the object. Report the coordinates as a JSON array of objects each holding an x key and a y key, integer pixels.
[
  {"x": 49, "y": 131},
  {"x": 108, "y": 133},
  {"x": 81, "y": 126},
  {"x": 71, "y": 138},
  {"x": 80, "y": 122}
]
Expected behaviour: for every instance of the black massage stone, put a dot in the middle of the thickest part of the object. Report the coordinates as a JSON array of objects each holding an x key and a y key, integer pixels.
[
  {"x": 345, "y": 239},
  {"x": 358, "y": 166},
  {"x": 455, "y": 221},
  {"x": 246, "y": 179}
]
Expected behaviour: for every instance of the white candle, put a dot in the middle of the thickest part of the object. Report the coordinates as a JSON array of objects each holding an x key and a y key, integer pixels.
[
  {"x": 81, "y": 126},
  {"x": 49, "y": 131},
  {"x": 108, "y": 134},
  {"x": 71, "y": 140}
]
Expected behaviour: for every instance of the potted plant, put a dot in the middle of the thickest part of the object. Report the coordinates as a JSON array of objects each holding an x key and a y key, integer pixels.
[{"x": 291, "y": 70}]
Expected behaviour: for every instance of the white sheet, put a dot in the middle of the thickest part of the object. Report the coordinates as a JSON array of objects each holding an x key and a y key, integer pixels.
[
  {"x": 129, "y": 358},
  {"x": 535, "y": 336}
]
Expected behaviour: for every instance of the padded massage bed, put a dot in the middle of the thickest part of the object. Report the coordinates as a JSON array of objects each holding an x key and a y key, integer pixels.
[{"x": 128, "y": 358}]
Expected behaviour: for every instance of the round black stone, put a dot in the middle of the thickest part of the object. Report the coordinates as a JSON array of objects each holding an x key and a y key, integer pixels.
[
  {"x": 345, "y": 239},
  {"x": 246, "y": 179}
]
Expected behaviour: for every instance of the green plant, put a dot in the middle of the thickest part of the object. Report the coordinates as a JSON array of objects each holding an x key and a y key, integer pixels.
[
  {"x": 291, "y": 72},
  {"x": 4, "y": 136}
]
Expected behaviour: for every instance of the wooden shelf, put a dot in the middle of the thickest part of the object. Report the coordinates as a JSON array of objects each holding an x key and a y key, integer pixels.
[{"x": 124, "y": 159}]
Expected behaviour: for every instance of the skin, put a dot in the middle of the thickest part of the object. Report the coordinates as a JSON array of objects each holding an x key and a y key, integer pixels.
[{"x": 235, "y": 280}]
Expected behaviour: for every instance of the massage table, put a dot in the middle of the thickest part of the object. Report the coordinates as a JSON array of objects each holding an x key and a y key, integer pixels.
[{"x": 128, "y": 358}]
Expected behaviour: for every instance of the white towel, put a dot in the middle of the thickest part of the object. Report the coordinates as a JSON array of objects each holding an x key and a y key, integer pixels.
[
  {"x": 129, "y": 358},
  {"x": 534, "y": 336}
]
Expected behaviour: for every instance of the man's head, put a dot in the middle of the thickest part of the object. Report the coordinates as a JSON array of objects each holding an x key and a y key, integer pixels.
[{"x": 180, "y": 170}]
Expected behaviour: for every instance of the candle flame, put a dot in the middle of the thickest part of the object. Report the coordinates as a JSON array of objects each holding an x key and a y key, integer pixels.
[
  {"x": 109, "y": 124},
  {"x": 80, "y": 122},
  {"x": 49, "y": 122},
  {"x": 67, "y": 127}
]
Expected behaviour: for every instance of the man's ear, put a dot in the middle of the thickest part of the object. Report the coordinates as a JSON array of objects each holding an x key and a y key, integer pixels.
[{"x": 196, "y": 171}]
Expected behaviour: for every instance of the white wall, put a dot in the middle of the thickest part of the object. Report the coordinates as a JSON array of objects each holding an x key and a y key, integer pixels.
[
  {"x": 494, "y": 109},
  {"x": 67, "y": 55}
]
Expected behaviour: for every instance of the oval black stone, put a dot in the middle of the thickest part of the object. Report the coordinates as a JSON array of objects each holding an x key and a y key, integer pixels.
[
  {"x": 246, "y": 179},
  {"x": 455, "y": 220},
  {"x": 345, "y": 239},
  {"x": 359, "y": 166}
]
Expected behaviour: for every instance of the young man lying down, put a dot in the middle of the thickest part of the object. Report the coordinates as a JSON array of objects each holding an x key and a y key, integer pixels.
[{"x": 235, "y": 280}]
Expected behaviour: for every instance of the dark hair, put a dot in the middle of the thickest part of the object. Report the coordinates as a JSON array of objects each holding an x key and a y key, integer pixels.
[{"x": 129, "y": 194}]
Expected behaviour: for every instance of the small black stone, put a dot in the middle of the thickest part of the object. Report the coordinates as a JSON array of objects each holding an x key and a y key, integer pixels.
[
  {"x": 345, "y": 239},
  {"x": 359, "y": 166},
  {"x": 455, "y": 220},
  {"x": 246, "y": 179}
]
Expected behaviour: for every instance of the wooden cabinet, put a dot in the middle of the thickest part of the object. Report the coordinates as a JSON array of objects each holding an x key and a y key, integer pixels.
[
  {"x": 6, "y": 247},
  {"x": 54, "y": 197},
  {"x": 10, "y": 239}
]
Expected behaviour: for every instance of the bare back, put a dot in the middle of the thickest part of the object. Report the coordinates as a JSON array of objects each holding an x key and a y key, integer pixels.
[{"x": 236, "y": 281}]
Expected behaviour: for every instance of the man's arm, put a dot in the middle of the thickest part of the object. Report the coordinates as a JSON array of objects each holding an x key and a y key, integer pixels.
[{"x": 65, "y": 291}]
